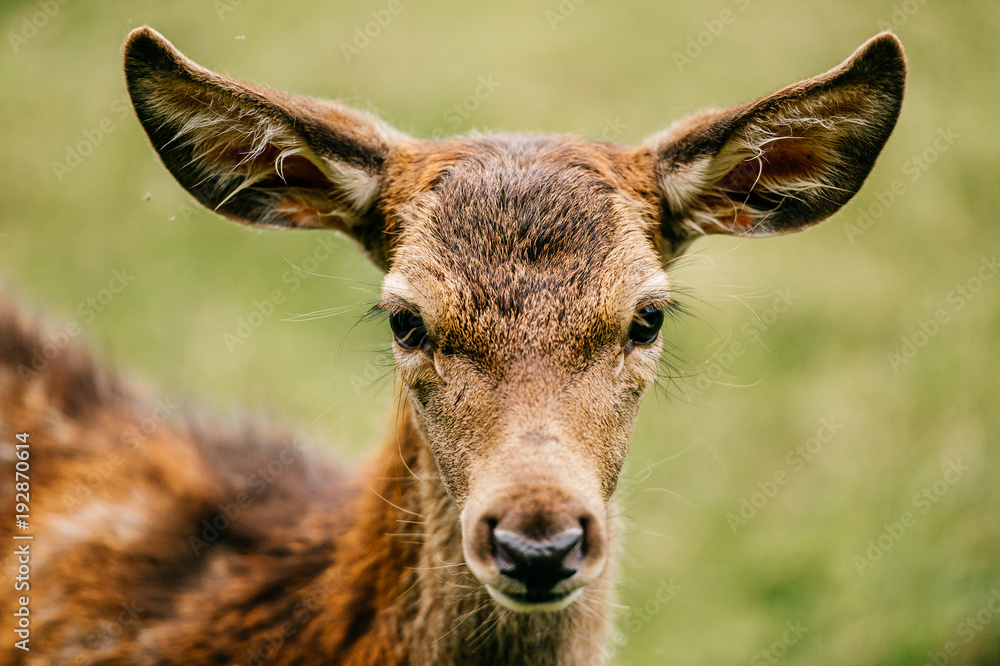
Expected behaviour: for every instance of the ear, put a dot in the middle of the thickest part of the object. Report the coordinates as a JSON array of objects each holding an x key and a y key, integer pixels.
[
  {"x": 257, "y": 155},
  {"x": 784, "y": 162}
]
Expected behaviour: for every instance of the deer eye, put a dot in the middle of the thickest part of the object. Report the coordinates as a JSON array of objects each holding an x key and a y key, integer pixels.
[
  {"x": 408, "y": 329},
  {"x": 646, "y": 323}
]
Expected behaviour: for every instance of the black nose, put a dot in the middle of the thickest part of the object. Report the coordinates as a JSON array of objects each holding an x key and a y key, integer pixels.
[{"x": 539, "y": 565}]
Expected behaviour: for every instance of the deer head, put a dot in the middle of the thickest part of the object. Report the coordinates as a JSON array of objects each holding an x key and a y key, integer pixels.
[{"x": 524, "y": 275}]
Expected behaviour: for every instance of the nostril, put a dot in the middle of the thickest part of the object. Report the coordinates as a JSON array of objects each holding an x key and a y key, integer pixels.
[
  {"x": 538, "y": 564},
  {"x": 587, "y": 533}
]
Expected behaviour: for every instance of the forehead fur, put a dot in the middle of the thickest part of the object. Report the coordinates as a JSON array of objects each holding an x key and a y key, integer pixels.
[{"x": 521, "y": 233}]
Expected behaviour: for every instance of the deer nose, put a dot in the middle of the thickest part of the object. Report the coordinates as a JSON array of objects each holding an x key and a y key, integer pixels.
[{"x": 538, "y": 564}]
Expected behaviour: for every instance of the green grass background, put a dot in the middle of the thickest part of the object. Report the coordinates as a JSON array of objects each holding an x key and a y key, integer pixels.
[{"x": 696, "y": 453}]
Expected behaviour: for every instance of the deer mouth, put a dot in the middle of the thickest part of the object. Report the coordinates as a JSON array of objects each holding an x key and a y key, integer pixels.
[{"x": 533, "y": 601}]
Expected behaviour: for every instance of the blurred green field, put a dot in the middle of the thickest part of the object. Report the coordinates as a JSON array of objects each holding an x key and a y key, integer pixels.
[{"x": 823, "y": 438}]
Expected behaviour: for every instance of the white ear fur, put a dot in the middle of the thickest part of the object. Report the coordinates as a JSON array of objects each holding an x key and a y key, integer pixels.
[
  {"x": 254, "y": 154},
  {"x": 786, "y": 161}
]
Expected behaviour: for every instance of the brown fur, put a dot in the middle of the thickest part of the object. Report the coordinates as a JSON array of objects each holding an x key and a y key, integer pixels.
[
  {"x": 526, "y": 259},
  {"x": 310, "y": 551}
]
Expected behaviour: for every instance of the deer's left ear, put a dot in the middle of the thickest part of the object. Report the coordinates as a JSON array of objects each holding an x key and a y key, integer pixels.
[{"x": 784, "y": 162}]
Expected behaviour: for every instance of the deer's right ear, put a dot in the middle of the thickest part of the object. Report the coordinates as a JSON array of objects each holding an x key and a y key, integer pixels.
[
  {"x": 257, "y": 155},
  {"x": 783, "y": 162}
]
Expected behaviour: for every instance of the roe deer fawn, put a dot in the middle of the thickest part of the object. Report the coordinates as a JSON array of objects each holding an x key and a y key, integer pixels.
[{"x": 525, "y": 288}]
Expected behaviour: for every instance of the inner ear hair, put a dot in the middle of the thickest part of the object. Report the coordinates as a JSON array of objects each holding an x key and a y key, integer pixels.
[
  {"x": 257, "y": 155},
  {"x": 785, "y": 161}
]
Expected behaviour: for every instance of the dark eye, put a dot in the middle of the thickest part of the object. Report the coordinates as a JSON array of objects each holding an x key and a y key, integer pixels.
[
  {"x": 408, "y": 329},
  {"x": 646, "y": 323}
]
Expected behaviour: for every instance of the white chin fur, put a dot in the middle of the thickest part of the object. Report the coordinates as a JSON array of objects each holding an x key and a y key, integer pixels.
[{"x": 547, "y": 607}]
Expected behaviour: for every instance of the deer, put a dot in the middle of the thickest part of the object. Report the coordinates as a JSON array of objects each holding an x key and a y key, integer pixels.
[{"x": 525, "y": 286}]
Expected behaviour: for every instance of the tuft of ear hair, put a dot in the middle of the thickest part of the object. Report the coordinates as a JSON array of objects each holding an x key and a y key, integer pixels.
[
  {"x": 257, "y": 155},
  {"x": 785, "y": 161}
]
